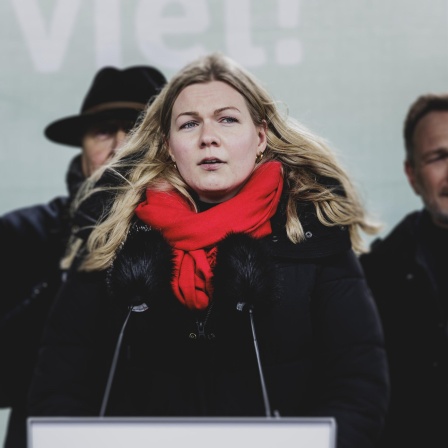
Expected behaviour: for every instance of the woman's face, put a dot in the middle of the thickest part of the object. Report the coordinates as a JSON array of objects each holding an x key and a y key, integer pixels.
[{"x": 213, "y": 140}]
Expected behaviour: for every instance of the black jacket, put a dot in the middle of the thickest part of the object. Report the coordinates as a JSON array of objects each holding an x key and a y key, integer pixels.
[
  {"x": 407, "y": 272},
  {"x": 32, "y": 241},
  {"x": 319, "y": 336}
]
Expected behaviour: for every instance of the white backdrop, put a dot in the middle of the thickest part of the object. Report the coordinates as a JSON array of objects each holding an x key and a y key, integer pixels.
[{"x": 348, "y": 69}]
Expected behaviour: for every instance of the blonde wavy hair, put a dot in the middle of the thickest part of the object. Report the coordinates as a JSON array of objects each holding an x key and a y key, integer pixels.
[{"x": 145, "y": 162}]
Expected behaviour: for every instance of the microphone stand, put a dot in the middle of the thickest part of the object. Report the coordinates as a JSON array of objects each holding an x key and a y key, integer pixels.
[
  {"x": 264, "y": 389},
  {"x": 114, "y": 365}
]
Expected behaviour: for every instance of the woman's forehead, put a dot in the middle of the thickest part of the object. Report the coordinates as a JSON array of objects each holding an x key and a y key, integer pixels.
[{"x": 211, "y": 95}]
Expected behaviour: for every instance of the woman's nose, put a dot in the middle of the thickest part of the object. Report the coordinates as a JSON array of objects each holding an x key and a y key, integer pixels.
[{"x": 209, "y": 136}]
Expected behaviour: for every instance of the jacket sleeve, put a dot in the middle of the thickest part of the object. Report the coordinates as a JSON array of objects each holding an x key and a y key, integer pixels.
[
  {"x": 74, "y": 359},
  {"x": 31, "y": 242},
  {"x": 351, "y": 381}
]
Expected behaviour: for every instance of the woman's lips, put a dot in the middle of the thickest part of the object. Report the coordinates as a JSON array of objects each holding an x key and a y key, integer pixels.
[
  {"x": 210, "y": 164},
  {"x": 210, "y": 160}
]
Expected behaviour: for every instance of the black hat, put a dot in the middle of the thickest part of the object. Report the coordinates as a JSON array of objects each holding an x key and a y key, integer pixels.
[{"x": 114, "y": 93}]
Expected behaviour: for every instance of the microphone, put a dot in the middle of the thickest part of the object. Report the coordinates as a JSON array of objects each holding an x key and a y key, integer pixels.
[
  {"x": 143, "y": 267},
  {"x": 246, "y": 261},
  {"x": 141, "y": 272}
]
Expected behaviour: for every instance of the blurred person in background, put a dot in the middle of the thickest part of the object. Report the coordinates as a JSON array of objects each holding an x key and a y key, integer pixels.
[
  {"x": 408, "y": 274},
  {"x": 33, "y": 239}
]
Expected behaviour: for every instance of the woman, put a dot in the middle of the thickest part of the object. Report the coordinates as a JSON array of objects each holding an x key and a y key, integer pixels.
[{"x": 219, "y": 220}]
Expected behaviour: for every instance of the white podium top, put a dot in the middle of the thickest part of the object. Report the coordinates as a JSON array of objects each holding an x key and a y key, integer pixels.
[{"x": 158, "y": 432}]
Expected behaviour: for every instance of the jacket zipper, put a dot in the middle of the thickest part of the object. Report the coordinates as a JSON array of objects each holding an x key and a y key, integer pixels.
[{"x": 201, "y": 326}]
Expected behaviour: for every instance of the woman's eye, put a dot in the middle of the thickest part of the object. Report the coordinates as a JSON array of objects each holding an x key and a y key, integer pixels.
[
  {"x": 229, "y": 120},
  {"x": 188, "y": 125}
]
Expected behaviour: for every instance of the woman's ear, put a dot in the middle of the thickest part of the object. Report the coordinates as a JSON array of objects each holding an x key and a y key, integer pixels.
[
  {"x": 168, "y": 148},
  {"x": 262, "y": 136}
]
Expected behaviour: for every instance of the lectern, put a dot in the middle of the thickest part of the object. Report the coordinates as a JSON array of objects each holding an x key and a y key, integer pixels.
[{"x": 204, "y": 432}]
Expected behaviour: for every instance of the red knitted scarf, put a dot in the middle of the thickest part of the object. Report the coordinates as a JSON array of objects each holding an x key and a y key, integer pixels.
[{"x": 194, "y": 236}]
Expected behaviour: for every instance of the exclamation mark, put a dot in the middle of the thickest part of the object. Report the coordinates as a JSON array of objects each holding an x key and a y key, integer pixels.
[{"x": 288, "y": 51}]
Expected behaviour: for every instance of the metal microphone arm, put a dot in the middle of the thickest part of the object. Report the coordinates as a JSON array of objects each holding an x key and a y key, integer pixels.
[
  {"x": 240, "y": 306},
  {"x": 110, "y": 379}
]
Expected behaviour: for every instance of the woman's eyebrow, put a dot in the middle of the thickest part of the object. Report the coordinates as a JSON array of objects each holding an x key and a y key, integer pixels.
[
  {"x": 189, "y": 113},
  {"x": 193, "y": 113},
  {"x": 222, "y": 109}
]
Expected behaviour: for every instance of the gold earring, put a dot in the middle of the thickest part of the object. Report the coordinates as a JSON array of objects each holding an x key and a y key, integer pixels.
[{"x": 259, "y": 157}]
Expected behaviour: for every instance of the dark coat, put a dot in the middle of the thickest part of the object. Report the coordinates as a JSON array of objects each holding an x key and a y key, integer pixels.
[
  {"x": 407, "y": 274},
  {"x": 320, "y": 341},
  {"x": 32, "y": 241}
]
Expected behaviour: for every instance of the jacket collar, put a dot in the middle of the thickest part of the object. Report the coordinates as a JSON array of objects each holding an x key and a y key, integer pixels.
[{"x": 320, "y": 240}]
